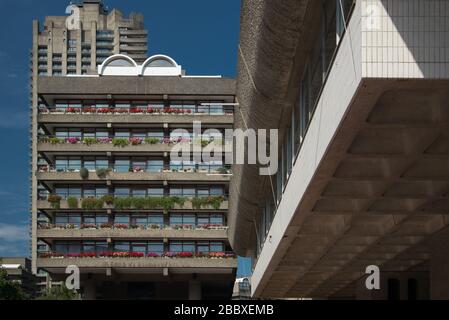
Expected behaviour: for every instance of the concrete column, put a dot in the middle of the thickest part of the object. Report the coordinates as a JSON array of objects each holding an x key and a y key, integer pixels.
[
  {"x": 439, "y": 266},
  {"x": 90, "y": 290},
  {"x": 195, "y": 290}
]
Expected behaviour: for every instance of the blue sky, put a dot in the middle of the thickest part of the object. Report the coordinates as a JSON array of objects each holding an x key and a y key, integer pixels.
[{"x": 201, "y": 35}]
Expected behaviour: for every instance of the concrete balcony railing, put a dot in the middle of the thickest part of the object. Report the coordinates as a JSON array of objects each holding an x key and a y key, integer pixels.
[
  {"x": 205, "y": 118},
  {"x": 196, "y": 263},
  {"x": 133, "y": 32},
  {"x": 133, "y": 176},
  {"x": 103, "y": 147},
  {"x": 188, "y": 205},
  {"x": 132, "y": 233},
  {"x": 154, "y": 145}
]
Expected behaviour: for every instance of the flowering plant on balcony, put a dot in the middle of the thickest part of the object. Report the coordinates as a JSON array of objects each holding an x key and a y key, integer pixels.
[
  {"x": 51, "y": 255},
  {"x": 120, "y": 255},
  {"x": 106, "y": 254},
  {"x": 73, "y": 110},
  {"x": 217, "y": 255},
  {"x": 136, "y": 226},
  {"x": 121, "y": 226},
  {"x": 182, "y": 227},
  {"x": 72, "y": 140},
  {"x": 137, "y": 254},
  {"x": 58, "y": 110},
  {"x": 89, "y": 141},
  {"x": 45, "y": 226},
  {"x": 185, "y": 255},
  {"x": 55, "y": 140},
  {"x": 155, "y": 226},
  {"x": 104, "y": 110},
  {"x": 138, "y": 169},
  {"x": 104, "y": 140},
  {"x": 153, "y": 255},
  {"x": 136, "y": 110},
  {"x": 106, "y": 226},
  {"x": 89, "y": 110},
  {"x": 120, "y": 142},
  {"x": 88, "y": 226},
  {"x": 43, "y": 168},
  {"x": 82, "y": 255},
  {"x": 120, "y": 110},
  {"x": 170, "y": 254},
  {"x": 152, "y": 140},
  {"x": 135, "y": 141}
]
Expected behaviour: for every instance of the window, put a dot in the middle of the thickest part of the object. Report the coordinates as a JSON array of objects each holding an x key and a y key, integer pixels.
[
  {"x": 121, "y": 247},
  {"x": 155, "y": 192},
  {"x": 122, "y": 192},
  {"x": 155, "y": 166},
  {"x": 122, "y": 165},
  {"x": 217, "y": 219},
  {"x": 156, "y": 219},
  {"x": 119, "y": 63},
  {"x": 139, "y": 193},
  {"x": 122, "y": 134},
  {"x": 62, "y": 220},
  {"x": 156, "y": 247},
  {"x": 122, "y": 219},
  {"x": 161, "y": 63},
  {"x": 179, "y": 246},
  {"x": 183, "y": 219}
]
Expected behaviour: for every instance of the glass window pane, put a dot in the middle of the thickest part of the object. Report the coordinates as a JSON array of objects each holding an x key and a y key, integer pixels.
[
  {"x": 121, "y": 192},
  {"x": 176, "y": 246},
  {"x": 121, "y": 219},
  {"x": 216, "y": 247},
  {"x": 156, "y": 247},
  {"x": 121, "y": 247}
]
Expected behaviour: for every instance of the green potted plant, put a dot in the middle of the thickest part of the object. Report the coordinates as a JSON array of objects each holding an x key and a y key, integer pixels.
[
  {"x": 72, "y": 203},
  {"x": 108, "y": 199},
  {"x": 120, "y": 142},
  {"x": 55, "y": 201},
  {"x": 102, "y": 173},
  {"x": 84, "y": 173}
]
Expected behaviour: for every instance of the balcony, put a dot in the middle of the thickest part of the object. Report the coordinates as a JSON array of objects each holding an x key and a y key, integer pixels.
[
  {"x": 140, "y": 262},
  {"x": 203, "y": 173},
  {"x": 88, "y": 144},
  {"x": 216, "y": 115},
  {"x": 135, "y": 204},
  {"x": 134, "y": 47},
  {"x": 50, "y": 232},
  {"x": 134, "y": 32}
]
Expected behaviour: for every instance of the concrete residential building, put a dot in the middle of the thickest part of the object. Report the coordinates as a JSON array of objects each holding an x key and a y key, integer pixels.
[
  {"x": 107, "y": 196},
  {"x": 359, "y": 91},
  {"x": 82, "y": 39}
]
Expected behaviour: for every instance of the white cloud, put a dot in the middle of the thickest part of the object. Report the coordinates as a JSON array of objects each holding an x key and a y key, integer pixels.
[{"x": 11, "y": 233}]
